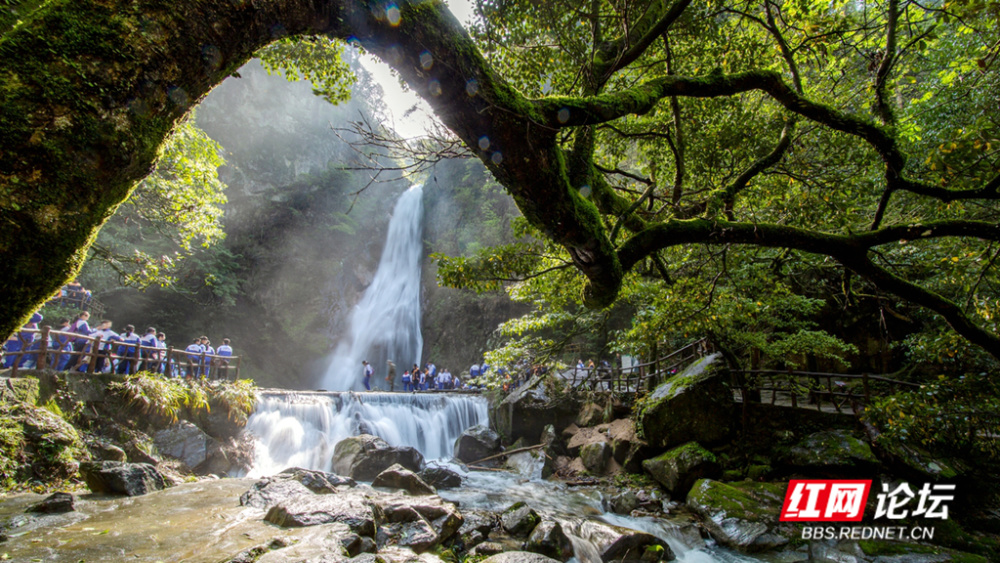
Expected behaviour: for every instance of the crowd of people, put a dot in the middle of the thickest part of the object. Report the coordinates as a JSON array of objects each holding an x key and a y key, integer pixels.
[{"x": 71, "y": 348}]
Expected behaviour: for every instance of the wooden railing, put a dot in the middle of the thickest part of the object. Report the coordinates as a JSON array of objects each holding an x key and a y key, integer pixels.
[
  {"x": 79, "y": 300},
  {"x": 169, "y": 361},
  {"x": 815, "y": 389},
  {"x": 639, "y": 377}
]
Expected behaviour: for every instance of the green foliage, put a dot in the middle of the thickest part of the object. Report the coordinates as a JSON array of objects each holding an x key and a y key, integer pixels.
[
  {"x": 171, "y": 213},
  {"x": 11, "y": 444},
  {"x": 239, "y": 398},
  {"x": 314, "y": 58},
  {"x": 959, "y": 416}
]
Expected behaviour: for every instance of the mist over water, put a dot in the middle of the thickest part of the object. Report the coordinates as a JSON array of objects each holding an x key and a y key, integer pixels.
[{"x": 385, "y": 324}]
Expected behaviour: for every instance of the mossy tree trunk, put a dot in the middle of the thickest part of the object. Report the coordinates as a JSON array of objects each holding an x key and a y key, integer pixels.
[{"x": 90, "y": 88}]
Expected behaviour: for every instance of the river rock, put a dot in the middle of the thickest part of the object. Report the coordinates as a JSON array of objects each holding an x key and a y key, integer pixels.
[
  {"x": 831, "y": 453},
  {"x": 319, "y": 482},
  {"x": 519, "y": 519},
  {"x": 349, "y": 508},
  {"x": 101, "y": 451},
  {"x": 492, "y": 548},
  {"x": 355, "y": 545},
  {"x": 693, "y": 405},
  {"x": 55, "y": 443},
  {"x": 549, "y": 539},
  {"x": 399, "y": 477},
  {"x": 441, "y": 477},
  {"x": 55, "y": 503},
  {"x": 742, "y": 515},
  {"x": 228, "y": 455},
  {"x": 268, "y": 492},
  {"x": 183, "y": 441},
  {"x": 419, "y": 523},
  {"x": 590, "y": 415},
  {"x": 117, "y": 478},
  {"x": 477, "y": 443},
  {"x": 595, "y": 456},
  {"x": 678, "y": 469},
  {"x": 541, "y": 401},
  {"x": 623, "y": 545},
  {"x": 363, "y": 457}
]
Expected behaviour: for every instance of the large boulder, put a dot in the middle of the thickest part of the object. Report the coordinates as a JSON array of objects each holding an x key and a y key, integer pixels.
[
  {"x": 595, "y": 456},
  {"x": 742, "y": 515},
  {"x": 693, "y": 405},
  {"x": 399, "y": 477},
  {"x": 622, "y": 545},
  {"x": 268, "y": 492},
  {"x": 419, "y": 523},
  {"x": 590, "y": 415},
  {"x": 364, "y": 457},
  {"x": 678, "y": 469},
  {"x": 519, "y": 519},
  {"x": 349, "y": 507},
  {"x": 183, "y": 441},
  {"x": 549, "y": 539},
  {"x": 53, "y": 444},
  {"x": 831, "y": 453},
  {"x": 441, "y": 477},
  {"x": 117, "y": 478},
  {"x": 319, "y": 482},
  {"x": 525, "y": 413},
  {"x": 476, "y": 443}
]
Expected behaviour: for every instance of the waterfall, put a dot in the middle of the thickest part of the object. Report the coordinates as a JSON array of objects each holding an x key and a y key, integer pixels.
[
  {"x": 300, "y": 429},
  {"x": 385, "y": 324}
]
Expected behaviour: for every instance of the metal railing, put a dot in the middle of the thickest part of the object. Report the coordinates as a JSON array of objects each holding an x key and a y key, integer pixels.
[
  {"x": 94, "y": 353},
  {"x": 815, "y": 389}
]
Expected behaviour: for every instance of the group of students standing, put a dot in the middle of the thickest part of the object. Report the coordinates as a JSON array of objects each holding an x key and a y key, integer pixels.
[
  {"x": 415, "y": 378},
  {"x": 71, "y": 345}
]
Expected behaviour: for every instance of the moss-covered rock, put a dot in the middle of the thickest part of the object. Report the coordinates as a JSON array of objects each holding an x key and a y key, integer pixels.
[
  {"x": 742, "y": 515},
  {"x": 678, "y": 469},
  {"x": 519, "y": 519},
  {"x": 595, "y": 456},
  {"x": 693, "y": 405},
  {"x": 832, "y": 453},
  {"x": 19, "y": 390},
  {"x": 533, "y": 406},
  {"x": 590, "y": 415}
]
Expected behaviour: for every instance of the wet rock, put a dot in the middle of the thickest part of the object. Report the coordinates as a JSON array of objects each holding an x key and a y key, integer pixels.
[
  {"x": 678, "y": 469},
  {"x": 54, "y": 443},
  {"x": 551, "y": 450},
  {"x": 482, "y": 521},
  {"x": 55, "y": 504},
  {"x": 319, "y": 482},
  {"x": 419, "y": 523},
  {"x": 622, "y": 544},
  {"x": 742, "y": 515},
  {"x": 356, "y": 545},
  {"x": 315, "y": 544},
  {"x": 117, "y": 478},
  {"x": 398, "y": 477},
  {"x": 477, "y": 443},
  {"x": 549, "y": 539},
  {"x": 185, "y": 442},
  {"x": 268, "y": 492},
  {"x": 533, "y": 406},
  {"x": 441, "y": 477},
  {"x": 590, "y": 415},
  {"x": 833, "y": 453},
  {"x": 519, "y": 519},
  {"x": 624, "y": 502},
  {"x": 312, "y": 510},
  {"x": 595, "y": 456},
  {"x": 517, "y": 557},
  {"x": 364, "y": 457},
  {"x": 226, "y": 456},
  {"x": 694, "y": 405}
]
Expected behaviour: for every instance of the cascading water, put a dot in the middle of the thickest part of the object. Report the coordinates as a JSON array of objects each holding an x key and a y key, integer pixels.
[
  {"x": 385, "y": 324},
  {"x": 301, "y": 429}
]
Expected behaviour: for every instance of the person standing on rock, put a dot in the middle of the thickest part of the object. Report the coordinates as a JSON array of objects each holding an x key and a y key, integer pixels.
[
  {"x": 391, "y": 377},
  {"x": 368, "y": 375}
]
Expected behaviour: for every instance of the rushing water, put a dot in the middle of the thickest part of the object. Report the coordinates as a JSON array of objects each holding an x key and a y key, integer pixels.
[
  {"x": 300, "y": 429},
  {"x": 385, "y": 324}
]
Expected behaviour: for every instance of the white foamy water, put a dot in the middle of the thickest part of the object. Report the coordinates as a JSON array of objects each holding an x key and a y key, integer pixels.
[
  {"x": 301, "y": 429},
  {"x": 385, "y": 324}
]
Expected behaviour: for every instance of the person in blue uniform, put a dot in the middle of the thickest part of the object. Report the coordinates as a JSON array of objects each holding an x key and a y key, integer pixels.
[
  {"x": 222, "y": 364},
  {"x": 193, "y": 351},
  {"x": 105, "y": 350},
  {"x": 127, "y": 350},
  {"x": 207, "y": 359},
  {"x": 147, "y": 350},
  {"x": 63, "y": 343},
  {"x": 406, "y": 381},
  {"x": 368, "y": 375}
]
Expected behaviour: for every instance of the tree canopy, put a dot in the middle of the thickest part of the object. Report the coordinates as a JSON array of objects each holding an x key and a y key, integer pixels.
[{"x": 860, "y": 135}]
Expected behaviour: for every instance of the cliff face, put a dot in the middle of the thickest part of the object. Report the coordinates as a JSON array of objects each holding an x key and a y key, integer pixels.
[{"x": 300, "y": 247}]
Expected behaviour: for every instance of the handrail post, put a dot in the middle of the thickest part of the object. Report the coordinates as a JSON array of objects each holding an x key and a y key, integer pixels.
[
  {"x": 167, "y": 372},
  {"x": 864, "y": 383},
  {"x": 42, "y": 361},
  {"x": 239, "y": 360},
  {"x": 95, "y": 349}
]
